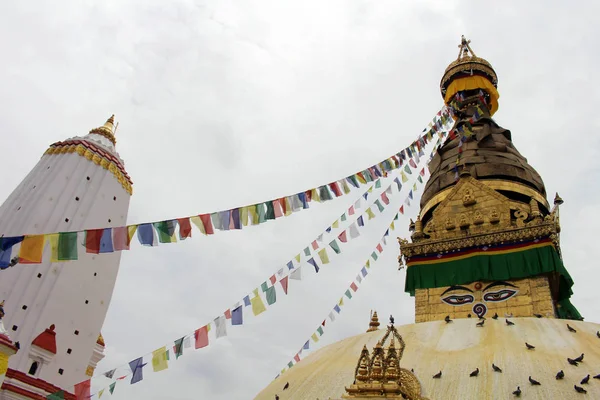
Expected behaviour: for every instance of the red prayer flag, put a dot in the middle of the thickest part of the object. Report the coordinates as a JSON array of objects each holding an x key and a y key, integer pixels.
[
  {"x": 379, "y": 248},
  {"x": 351, "y": 210},
  {"x": 412, "y": 163},
  {"x": 92, "y": 240},
  {"x": 228, "y": 313},
  {"x": 335, "y": 189},
  {"x": 308, "y": 195},
  {"x": 82, "y": 390},
  {"x": 284, "y": 284},
  {"x": 323, "y": 323},
  {"x": 201, "y": 336},
  {"x": 283, "y": 206},
  {"x": 342, "y": 237},
  {"x": 372, "y": 173},
  {"x": 297, "y": 358},
  {"x": 273, "y": 279},
  {"x": 208, "y": 227},
  {"x": 422, "y": 173},
  {"x": 385, "y": 198},
  {"x": 401, "y": 209},
  {"x": 120, "y": 238},
  {"x": 185, "y": 228},
  {"x": 353, "y": 286},
  {"x": 315, "y": 245},
  {"x": 277, "y": 208}
]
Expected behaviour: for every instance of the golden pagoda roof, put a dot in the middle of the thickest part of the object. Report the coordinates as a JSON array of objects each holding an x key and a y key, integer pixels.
[
  {"x": 457, "y": 349},
  {"x": 107, "y": 130}
]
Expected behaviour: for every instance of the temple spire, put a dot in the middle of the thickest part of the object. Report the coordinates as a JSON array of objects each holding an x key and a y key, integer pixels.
[
  {"x": 107, "y": 130},
  {"x": 374, "y": 323}
]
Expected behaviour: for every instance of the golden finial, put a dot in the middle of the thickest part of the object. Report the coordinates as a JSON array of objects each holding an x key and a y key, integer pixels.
[
  {"x": 107, "y": 130},
  {"x": 464, "y": 48},
  {"x": 374, "y": 323},
  {"x": 558, "y": 200}
]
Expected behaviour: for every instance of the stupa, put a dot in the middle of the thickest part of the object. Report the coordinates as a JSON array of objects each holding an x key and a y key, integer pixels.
[
  {"x": 55, "y": 310},
  {"x": 493, "y": 317}
]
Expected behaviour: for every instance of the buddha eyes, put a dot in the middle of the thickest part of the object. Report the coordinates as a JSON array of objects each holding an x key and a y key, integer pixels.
[
  {"x": 456, "y": 300},
  {"x": 501, "y": 295}
]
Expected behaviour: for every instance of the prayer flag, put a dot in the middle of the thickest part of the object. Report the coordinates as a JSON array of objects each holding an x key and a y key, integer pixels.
[
  {"x": 146, "y": 235},
  {"x": 315, "y": 245},
  {"x": 422, "y": 173},
  {"x": 178, "y": 348},
  {"x": 410, "y": 195},
  {"x": 401, "y": 209},
  {"x": 342, "y": 237},
  {"x": 100, "y": 393},
  {"x": 341, "y": 302},
  {"x": 67, "y": 246},
  {"x": 6, "y": 245},
  {"x": 385, "y": 200},
  {"x": 370, "y": 213},
  {"x": 359, "y": 278},
  {"x": 320, "y": 330},
  {"x": 404, "y": 179},
  {"x": 412, "y": 163},
  {"x": 306, "y": 252},
  {"x": 297, "y": 358},
  {"x": 207, "y": 226},
  {"x": 270, "y": 210},
  {"x": 106, "y": 244},
  {"x": 264, "y": 286},
  {"x": 351, "y": 210},
  {"x": 343, "y": 217},
  {"x": 82, "y": 390},
  {"x": 271, "y": 295},
  {"x": 159, "y": 360},
  {"x": 201, "y": 336},
  {"x": 60, "y": 395},
  {"x": 277, "y": 208},
  {"x": 345, "y": 186},
  {"x": 379, "y": 206},
  {"x": 221, "y": 326},
  {"x": 397, "y": 180},
  {"x": 237, "y": 317},
  {"x": 136, "y": 367},
  {"x": 360, "y": 220},
  {"x": 364, "y": 271},
  {"x": 337, "y": 309},
  {"x": 353, "y": 286},
  {"x": 110, "y": 374},
  {"x": 247, "y": 301},
  {"x": 314, "y": 337},
  {"x": 354, "y": 233},
  {"x": 348, "y": 294},
  {"x": 228, "y": 313},
  {"x": 185, "y": 228},
  {"x": 331, "y": 316},
  {"x": 111, "y": 387},
  {"x": 273, "y": 279},
  {"x": 357, "y": 203},
  {"x": 312, "y": 262},
  {"x": 296, "y": 274},
  {"x": 407, "y": 170},
  {"x": 187, "y": 343},
  {"x": 374, "y": 256},
  {"x": 336, "y": 224},
  {"x": 333, "y": 244},
  {"x": 379, "y": 248},
  {"x": 306, "y": 345},
  {"x": 368, "y": 264},
  {"x": 284, "y": 284},
  {"x": 92, "y": 240},
  {"x": 258, "y": 306},
  {"x": 166, "y": 231},
  {"x": 323, "y": 256},
  {"x": 32, "y": 249},
  {"x": 378, "y": 184}
]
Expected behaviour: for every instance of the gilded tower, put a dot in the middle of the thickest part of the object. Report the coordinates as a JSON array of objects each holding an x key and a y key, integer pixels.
[{"x": 486, "y": 241}]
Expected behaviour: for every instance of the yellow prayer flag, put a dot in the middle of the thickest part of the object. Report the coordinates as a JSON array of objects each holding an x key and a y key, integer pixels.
[
  {"x": 341, "y": 303},
  {"x": 100, "y": 393},
  {"x": 244, "y": 215},
  {"x": 253, "y": 215},
  {"x": 336, "y": 224},
  {"x": 208, "y": 327},
  {"x": 159, "y": 359},
  {"x": 415, "y": 188},
  {"x": 360, "y": 178},
  {"x": 258, "y": 306},
  {"x": 314, "y": 337},
  {"x": 198, "y": 222},
  {"x": 368, "y": 264},
  {"x": 297, "y": 258},
  {"x": 392, "y": 226},
  {"x": 53, "y": 240},
  {"x": 345, "y": 186},
  {"x": 131, "y": 231},
  {"x": 323, "y": 256},
  {"x": 404, "y": 178},
  {"x": 314, "y": 195},
  {"x": 288, "y": 206},
  {"x": 32, "y": 249},
  {"x": 370, "y": 213},
  {"x": 370, "y": 190}
]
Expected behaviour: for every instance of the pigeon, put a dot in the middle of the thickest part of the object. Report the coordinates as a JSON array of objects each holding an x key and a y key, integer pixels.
[
  {"x": 276, "y": 397},
  {"x": 538, "y": 315},
  {"x": 596, "y": 376},
  {"x": 533, "y": 381},
  {"x": 474, "y": 373},
  {"x": 480, "y": 324},
  {"x": 507, "y": 315},
  {"x": 571, "y": 329},
  {"x": 438, "y": 375},
  {"x": 517, "y": 392},
  {"x": 469, "y": 315},
  {"x": 509, "y": 323},
  {"x": 287, "y": 385},
  {"x": 579, "y": 389},
  {"x": 585, "y": 380},
  {"x": 572, "y": 362},
  {"x": 560, "y": 374},
  {"x": 447, "y": 319},
  {"x": 579, "y": 359},
  {"x": 412, "y": 370},
  {"x": 495, "y": 316},
  {"x": 529, "y": 347},
  {"x": 598, "y": 333},
  {"x": 496, "y": 368}
]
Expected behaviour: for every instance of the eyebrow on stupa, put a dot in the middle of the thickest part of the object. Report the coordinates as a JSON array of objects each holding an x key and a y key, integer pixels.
[
  {"x": 451, "y": 288},
  {"x": 499, "y": 283}
]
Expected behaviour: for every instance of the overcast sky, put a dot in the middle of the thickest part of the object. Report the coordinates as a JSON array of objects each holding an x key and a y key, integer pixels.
[{"x": 222, "y": 104}]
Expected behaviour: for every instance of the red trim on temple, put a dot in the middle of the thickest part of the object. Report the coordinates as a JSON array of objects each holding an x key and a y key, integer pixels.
[
  {"x": 35, "y": 382},
  {"x": 5, "y": 341},
  {"x": 46, "y": 340}
]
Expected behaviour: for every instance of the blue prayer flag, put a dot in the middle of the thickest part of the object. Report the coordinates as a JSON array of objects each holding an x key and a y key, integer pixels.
[
  {"x": 290, "y": 265},
  {"x": 360, "y": 221},
  {"x": 145, "y": 234},
  {"x": 312, "y": 262},
  {"x": 306, "y": 345},
  {"x": 337, "y": 309},
  {"x": 106, "y": 243},
  {"x": 247, "y": 301},
  {"x": 136, "y": 367},
  {"x": 236, "y": 316}
]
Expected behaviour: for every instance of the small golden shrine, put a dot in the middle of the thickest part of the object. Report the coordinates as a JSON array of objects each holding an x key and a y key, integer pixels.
[{"x": 378, "y": 374}]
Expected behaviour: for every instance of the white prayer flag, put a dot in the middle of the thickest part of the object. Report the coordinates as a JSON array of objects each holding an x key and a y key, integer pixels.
[
  {"x": 221, "y": 326},
  {"x": 296, "y": 274},
  {"x": 353, "y": 229},
  {"x": 332, "y": 316}
]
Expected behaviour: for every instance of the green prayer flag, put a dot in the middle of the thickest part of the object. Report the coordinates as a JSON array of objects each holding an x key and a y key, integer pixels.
[
  {"x": 260, "y": 211},
  {"x": 167, "y": 355},
  {"x": 111, "y": 388},
  {"x": 396, "y": 217},
  {"x": 290, "y": 364},
  {"x": 379, "y": 205},
  {"x": 354, "y": 180},
  {"x": 264, "y": 286},
  {"x": 271, "y": 295},
  {"x": 60, "y": 395},
  {"x": 407, "y": 169},
  {"x": 270, "y": 214},
  {"x": 343, "y": 218},
  {"x": 335, "y": 246},
  {"x": 307, "y": 252},
  {"x": 378, "y": 184},
  {"x": 324, "y": 193},
  {"x": 67, "y": 246},
  {"x": 348, "y": 294},
  {"x": 323, "y": 256},
  {"x": 374, "y": 256},
  {"x": 179, "y": 348},
  {"x": 420, "y": 179},
  {"x": 320, "y": 330},
  {"x": 166, "y": 231}
]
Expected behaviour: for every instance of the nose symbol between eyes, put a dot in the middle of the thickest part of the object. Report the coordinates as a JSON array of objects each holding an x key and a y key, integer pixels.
[{"x": 479, "y": 309}]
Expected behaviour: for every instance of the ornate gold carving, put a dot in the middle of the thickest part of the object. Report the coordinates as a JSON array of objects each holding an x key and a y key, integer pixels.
[
  {"x": 374, "y": 323},
  {"x": 107, "y": 130},
  {"x": 449, "y": 223},
  {"x": 494, "y": 216},
  {"x": 521, "y": 216},
  {"x": 463, "y": 222},
  {"x": 468, "y": 199},
  {"x": 477, "y": 218},
  {"x": 378, "y": 375},
  {"x": 89, "y": 371}
]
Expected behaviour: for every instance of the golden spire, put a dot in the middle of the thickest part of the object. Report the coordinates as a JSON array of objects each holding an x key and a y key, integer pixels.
[
  {"x": 374, "y": 324},
  {"x": 107, "y": 130}
]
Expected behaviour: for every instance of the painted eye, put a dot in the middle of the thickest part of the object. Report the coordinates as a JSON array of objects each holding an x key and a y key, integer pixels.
[
  {"x": 456, "y": 300},
  {"x": 501, "y": 295}
]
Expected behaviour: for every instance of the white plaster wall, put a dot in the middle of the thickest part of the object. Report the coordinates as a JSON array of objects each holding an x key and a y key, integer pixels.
[{"x": 56, "y": 293}]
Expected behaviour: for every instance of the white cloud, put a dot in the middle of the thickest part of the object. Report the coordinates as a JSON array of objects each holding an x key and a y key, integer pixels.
[{"x": 222, "y": 104}]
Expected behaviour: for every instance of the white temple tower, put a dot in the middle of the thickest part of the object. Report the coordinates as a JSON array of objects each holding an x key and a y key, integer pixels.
[{"x": 55, "y": 311}]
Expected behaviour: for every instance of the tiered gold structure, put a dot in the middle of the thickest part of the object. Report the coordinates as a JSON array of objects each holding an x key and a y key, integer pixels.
[{"x": 374, "y": 323}]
